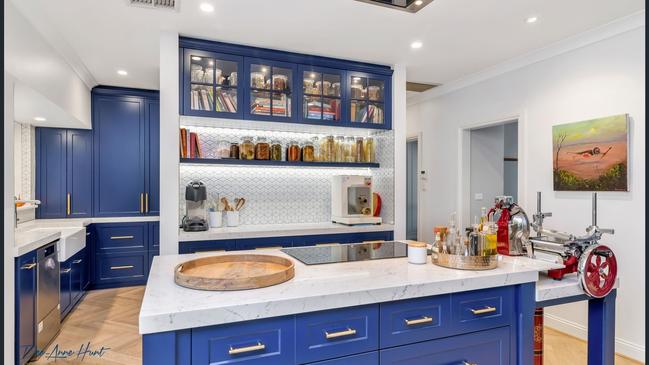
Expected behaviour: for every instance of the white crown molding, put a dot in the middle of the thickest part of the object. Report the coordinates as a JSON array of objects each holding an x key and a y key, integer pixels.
[{"x": 611, "y": 29}]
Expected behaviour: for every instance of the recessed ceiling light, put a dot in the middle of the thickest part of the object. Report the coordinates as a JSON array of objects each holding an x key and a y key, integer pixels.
[
  {"x": 39, "y": 119},
  {"x": 416, "y": 45},
  {"x": 122, "y": 72},
  {"x": 207, "y": 7},
  {"x": 531, "y": 19},
  {"x": 419, "y": 2},
  {"x": 196, "y": 58}
]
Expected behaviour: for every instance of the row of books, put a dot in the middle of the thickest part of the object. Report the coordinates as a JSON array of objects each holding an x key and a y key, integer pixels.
[
  {"x": 281, "y": 106},
  {"x": 190, "y": 144},
  {"x": 330, "y": 110},
  {"x": 368, "y": 114}
]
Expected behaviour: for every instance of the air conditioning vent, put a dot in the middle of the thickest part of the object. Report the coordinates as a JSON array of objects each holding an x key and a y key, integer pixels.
[
  {"x": 419, "y": 87},
  {"x": 411, "y": 6},
  {"x": 155, "y": 4}
]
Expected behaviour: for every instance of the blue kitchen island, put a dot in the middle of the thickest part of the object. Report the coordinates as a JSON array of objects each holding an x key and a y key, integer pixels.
[{"x": 366, "y": 312}]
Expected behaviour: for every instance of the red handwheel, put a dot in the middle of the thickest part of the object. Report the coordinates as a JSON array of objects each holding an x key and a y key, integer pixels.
[{"x": 597, "y": 270}]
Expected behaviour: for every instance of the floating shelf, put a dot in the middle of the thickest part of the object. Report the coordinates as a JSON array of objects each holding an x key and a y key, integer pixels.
[{"x": 236, "y": 162}]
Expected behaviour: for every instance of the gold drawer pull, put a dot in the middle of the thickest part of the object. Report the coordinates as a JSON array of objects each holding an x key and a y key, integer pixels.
[
  {"x": 483, "y": 310},
  {"x": 77, "y": 261},
  {"x": 242, "y": 350},
  {"x": 121, "y": 237},
  {"x": 468, "y": 363},
  {"x": 65, "y": 271},
  {"x": 122, "y": 267},
  {"x": 28, "y": 266},
  {"x": 413, "y": 322},
  {"x": 347, "y": 332},
  {"x": 269, "y": 248},
  {"x": 68, "y": 209}
]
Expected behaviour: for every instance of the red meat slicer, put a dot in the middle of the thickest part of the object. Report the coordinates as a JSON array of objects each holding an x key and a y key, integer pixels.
[{"x": 595, "y": 263}]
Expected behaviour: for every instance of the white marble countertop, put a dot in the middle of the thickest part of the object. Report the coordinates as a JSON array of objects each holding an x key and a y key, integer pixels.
[
  {"x": 550, "y": 289},
  {"x": 29, "y": 240},
  {"x": 167, "y": 306},
  {"x": 279, "y": 230}
]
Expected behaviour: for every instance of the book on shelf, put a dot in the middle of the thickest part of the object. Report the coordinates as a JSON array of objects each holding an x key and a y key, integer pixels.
[
  {"x": 225, "y": 102},
  {"x": 202, "y": 99},
  {"x": 190, "y": 144},
  {"x": 281, "y": 106}
]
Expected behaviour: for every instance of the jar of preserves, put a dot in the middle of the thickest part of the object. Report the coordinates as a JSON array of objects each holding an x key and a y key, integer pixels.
[
  {"x": 330, "y": 145},
  {"x": 234, "y": 150},
  {"x": 262, "y": 149},
  {"x": 276, "y": 150},
  {"x": 257, "y": 80},
  {"x": 308, "y": 152},
  {"x": 323, "y": 149},
  {"x": 357, "y": 91},
  {"x": 222, "y": 149},
  {"x": 280, "y": 82},
  {"x": 247, "y": 149},
  {"x": 340, "y": 147},
  {"x": 316, "y": 149},
  {"x": 369, "y": 151},
  {"x": 358, "y": 150},
  {"x": 293, "y": 151},
  {"x": 350, "y": 146}
]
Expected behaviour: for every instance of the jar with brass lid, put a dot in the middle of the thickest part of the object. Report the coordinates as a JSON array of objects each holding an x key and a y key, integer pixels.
[
  {"x": 369, "y": 151},
  {"x": 276, "y": 150},
  {"x": 293, "y": 151},
  {"x": 247, "y": 149},
  {"x": 358, "y": 150},
  {"x": 350, "y": 146},
  {"x": 316, "y": 149},
  {"x": 308, "y": 152},
  {"x": 339, "y": 147},
  {"x": 330, "y": 149},
  {"x": 262, "y": 149}
]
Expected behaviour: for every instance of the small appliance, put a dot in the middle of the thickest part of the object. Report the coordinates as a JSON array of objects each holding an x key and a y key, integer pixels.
[
  {"x": 195, "y": 219},
  {"x": 351, "y": 200},
  {"x": 513, "y": 225},
  {"x": 48, "y": 278}
]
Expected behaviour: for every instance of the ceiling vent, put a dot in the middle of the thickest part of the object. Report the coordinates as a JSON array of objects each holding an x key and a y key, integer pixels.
[
  {"x": 410, "y": 6},
  {"x": 155, "y": 4},
  {"x": 419, "y": 87}
]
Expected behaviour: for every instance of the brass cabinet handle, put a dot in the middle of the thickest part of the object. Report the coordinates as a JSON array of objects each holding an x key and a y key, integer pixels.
[
  {"x": 68, "y": 204},
  {"x": 65, "y": 271},
  {"x": 347, "y": 332},
  {"x": 469, "y": 363},
  {"x": 483, "y": 310},
  {"x": 77, "y": 261},
  {"x": 269, "y": 248},
  {"x": 146, "y": 202},
  {"x": 413, "y": 322},
  {"x": 122, "y": 267},
  {"x": 28, "y": 266},
  {"x": 141, "y": 202},
  {"x": 121, "y": 237},
  {"x": 242, "y": 350}
]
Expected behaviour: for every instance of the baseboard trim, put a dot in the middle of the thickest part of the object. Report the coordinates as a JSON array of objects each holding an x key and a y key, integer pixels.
[{"x": 622, "y": 347}]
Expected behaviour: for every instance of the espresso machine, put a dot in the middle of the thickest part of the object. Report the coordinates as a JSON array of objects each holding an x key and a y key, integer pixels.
[
  {"x": 351, "y": 200},
  {"x": 195, "y": 219}
]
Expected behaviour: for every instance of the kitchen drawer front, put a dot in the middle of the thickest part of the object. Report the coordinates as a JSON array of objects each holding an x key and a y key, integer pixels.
[
  {"x": 414, "y": 320},
  {"x": 206, "y": 246},
  {"x": 336, "y": 333},
  {"x": 482, "y": 309},
  {"x": 489, "y": 347},
  {"x": 154, "y": 236},
  {"x": 267, "y": 341},
  {"x": 122, "y": 237},
  {"x": 368, "y": 358},
  {"x": 122, "y": 267},
  {"x": 264, "y": 243}
]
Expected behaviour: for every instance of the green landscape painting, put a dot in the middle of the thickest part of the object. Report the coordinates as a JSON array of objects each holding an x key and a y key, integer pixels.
[{"x": 591, "y": 155}]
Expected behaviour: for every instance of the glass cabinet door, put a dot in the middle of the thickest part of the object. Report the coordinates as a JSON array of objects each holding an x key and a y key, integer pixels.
[
  {"x": 367, "y": 99},
  {"x": 322, "y": 95},
  {"x": 270, "y": 90},
  {"x": 212, "y": 83}
]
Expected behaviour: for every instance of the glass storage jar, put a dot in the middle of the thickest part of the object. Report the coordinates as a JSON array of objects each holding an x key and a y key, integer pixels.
[
  {"x": 262, "y": 149},
  {"x": 369, "y": 151},
  {"x": 280, "y": 82},
  {"x": 330, "y": 145},
  {"x": 308, "y": 152},
  {"x": 340, "y": 147},
  {"x": 247, "y": 149},
  {"x": 222, "y": 149},
  {"x": 234, "y": 150},
  {"x": 316, "y": 149},
  {"x": 358, "y": 150},
  {"x": 350, "y": 145},
  {"x": 293, "y": 151},
  {"x": 276, "y": 150}
]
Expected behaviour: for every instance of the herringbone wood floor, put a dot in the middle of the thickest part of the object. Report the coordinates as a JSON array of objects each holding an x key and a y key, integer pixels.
[{"x": 110, "y": 318}]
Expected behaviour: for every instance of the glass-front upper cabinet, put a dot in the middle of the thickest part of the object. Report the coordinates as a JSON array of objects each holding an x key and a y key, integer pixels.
[
  {"x": 212, "y": 84},
  {"x": 322, "y": 94},
  {"x": 271, "y": 90},
  {"x": 367, "y": 95}
]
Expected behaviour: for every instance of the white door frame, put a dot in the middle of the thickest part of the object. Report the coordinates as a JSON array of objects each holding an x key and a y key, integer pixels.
[{"x": 419, "y": 138}]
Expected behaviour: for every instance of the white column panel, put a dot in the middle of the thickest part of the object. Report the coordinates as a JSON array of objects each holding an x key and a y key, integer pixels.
[
  {"x": 399, "y": 127},
  {"x": 8, "y": 219}
]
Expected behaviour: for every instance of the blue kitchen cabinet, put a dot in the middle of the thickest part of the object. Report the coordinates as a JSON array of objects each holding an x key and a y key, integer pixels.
[
  {"x": 369, "y": 99},
  {"x": 65, "y": 292},
  {"x": 270, "y": 92},
  {"x": 486, "y": 347},
  {"x": 74, "y": 273},
  {"x": 25, "y": 307},
  {"x": 152, "y": 190},
  {"x": 206, "y": 246},
  {"x": 263, "y": 243},
  {"x": 63, "y": 173},
  {"x": 368, "y": 358},
  {"x": 321, "y": 95}
]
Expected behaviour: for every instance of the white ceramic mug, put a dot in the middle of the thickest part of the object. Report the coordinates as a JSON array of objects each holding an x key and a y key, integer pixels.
[
  {"x": 232, "y": 218},
  {"x": 216, "y": 219}
]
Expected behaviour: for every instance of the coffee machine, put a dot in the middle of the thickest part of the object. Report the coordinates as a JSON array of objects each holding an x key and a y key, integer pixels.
[
  {"x": 195, "y": 219},
  {"x": 351, "y": 200}
]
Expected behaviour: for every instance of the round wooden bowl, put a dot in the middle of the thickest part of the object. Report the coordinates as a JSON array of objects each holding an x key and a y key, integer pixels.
[{"x": 234, "y": 272}]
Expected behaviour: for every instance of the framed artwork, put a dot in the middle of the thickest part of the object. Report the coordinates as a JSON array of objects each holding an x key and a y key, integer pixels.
[{"x": 591, "y": 155}]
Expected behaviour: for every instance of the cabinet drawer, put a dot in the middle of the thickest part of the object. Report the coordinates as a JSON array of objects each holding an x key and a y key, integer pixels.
[
  {"x": 122, "y": 237},
  {"x": 268, "y": 341},
  {"x": 489, "y": 347},
  {"x": 336, "y": 333},
  {"x": 261, "y": 243},
  {"x": 368, "y": 358},
  {"x": 122, "y": 267},
  {"x": 482, "y": 309},
  {"x": 414, "y": 320},
  {"x": 206, "y": 246}
]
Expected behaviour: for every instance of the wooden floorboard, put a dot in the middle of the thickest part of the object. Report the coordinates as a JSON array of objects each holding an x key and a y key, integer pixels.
[{"x": 109, "y": 318}]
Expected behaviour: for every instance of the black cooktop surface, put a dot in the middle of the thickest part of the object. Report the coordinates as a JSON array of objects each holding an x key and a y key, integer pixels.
[{"x": 329, "y": 254}]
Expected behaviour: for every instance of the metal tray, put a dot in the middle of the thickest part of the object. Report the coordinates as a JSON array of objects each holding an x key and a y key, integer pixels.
[{"x": 465, "y": 262}]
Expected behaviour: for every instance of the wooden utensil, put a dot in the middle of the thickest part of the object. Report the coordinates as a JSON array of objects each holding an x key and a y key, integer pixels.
[
  {"x": 226, "y": 205},
  {"x": 239, "y": 203}
]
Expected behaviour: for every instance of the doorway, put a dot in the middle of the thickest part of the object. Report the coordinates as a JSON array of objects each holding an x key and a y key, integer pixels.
[{"x": 412, "y": 167}]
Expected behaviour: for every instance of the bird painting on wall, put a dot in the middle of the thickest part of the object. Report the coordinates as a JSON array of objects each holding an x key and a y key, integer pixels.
[{"x": 592, "y": 152}]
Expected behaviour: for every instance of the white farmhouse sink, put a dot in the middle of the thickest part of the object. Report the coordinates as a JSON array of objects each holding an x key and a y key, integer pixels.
[{"x": 73, "y": 240}]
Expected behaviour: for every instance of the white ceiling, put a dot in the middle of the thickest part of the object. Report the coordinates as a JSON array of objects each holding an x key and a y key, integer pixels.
[{"x": 460, "y": 37}]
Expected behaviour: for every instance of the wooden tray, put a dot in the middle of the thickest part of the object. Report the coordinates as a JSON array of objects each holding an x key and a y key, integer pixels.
[{"x": 234, "y": 272}]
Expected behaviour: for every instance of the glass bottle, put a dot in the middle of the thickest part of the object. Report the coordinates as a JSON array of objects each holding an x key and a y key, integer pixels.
[
  {"x": 307, "y": 152},
  {"x": 262, "y": 149},
  {"x": 350, "y": 146},
  {"x": 276, "y": 150},
  {"x": 330, "y": 149},
  {"x": 340, "y": 146},
  {"x": 234, "y": 150},
  {"x": 491, "y": 239},
  {"x": 293, "y": 151},
  {"x": 358, "y": 151},
  {"x": 247, "y": 149},
  {"x": 369, "y": 154},
  {"x": 439, "y": 245},
  {"x": 323, "y": 149}
]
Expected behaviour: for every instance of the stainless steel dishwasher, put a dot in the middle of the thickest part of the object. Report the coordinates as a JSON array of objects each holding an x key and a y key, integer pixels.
[{"x": 48, "y": 314}]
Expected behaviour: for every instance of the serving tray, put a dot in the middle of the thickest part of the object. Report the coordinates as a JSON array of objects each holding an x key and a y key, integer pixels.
[{"x": 234, "y": 272}]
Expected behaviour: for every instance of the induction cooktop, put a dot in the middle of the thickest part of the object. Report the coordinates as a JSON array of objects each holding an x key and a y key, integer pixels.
[{"x": 329, "y": 254}]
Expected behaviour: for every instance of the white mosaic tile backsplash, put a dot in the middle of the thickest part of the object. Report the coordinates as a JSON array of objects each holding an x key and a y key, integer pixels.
[{"x": 283, "y": 195}]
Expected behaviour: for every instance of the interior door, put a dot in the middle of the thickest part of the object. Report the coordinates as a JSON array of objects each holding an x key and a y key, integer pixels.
[{"x": 411, "y": 189}]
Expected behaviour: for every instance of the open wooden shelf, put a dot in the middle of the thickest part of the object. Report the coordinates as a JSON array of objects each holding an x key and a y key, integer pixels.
[{"x": 236, "y": 162}]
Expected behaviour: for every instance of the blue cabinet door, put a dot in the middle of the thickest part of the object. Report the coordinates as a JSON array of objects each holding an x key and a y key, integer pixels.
[
  {"x": 84, "y": 266},
  {"x": 152, "y": 203},
  {"x": 275, "y": 100},
  {"x": 51, "y": 172},
  {"x": 119, "y": 155},
  {"x": 79, "y": 172},
  {"x": 25, "y": 302},
  {"x": 65, "y": 298},
  {"x": 486, "y": 347},
  {"x": 76, "y": 276},
  {"x": 321, "y": 101}
]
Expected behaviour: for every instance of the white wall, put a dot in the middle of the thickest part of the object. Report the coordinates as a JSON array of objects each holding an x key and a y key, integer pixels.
[
  {"x": 596, "y": 79},
  {"x": 487, "y": 172}
]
